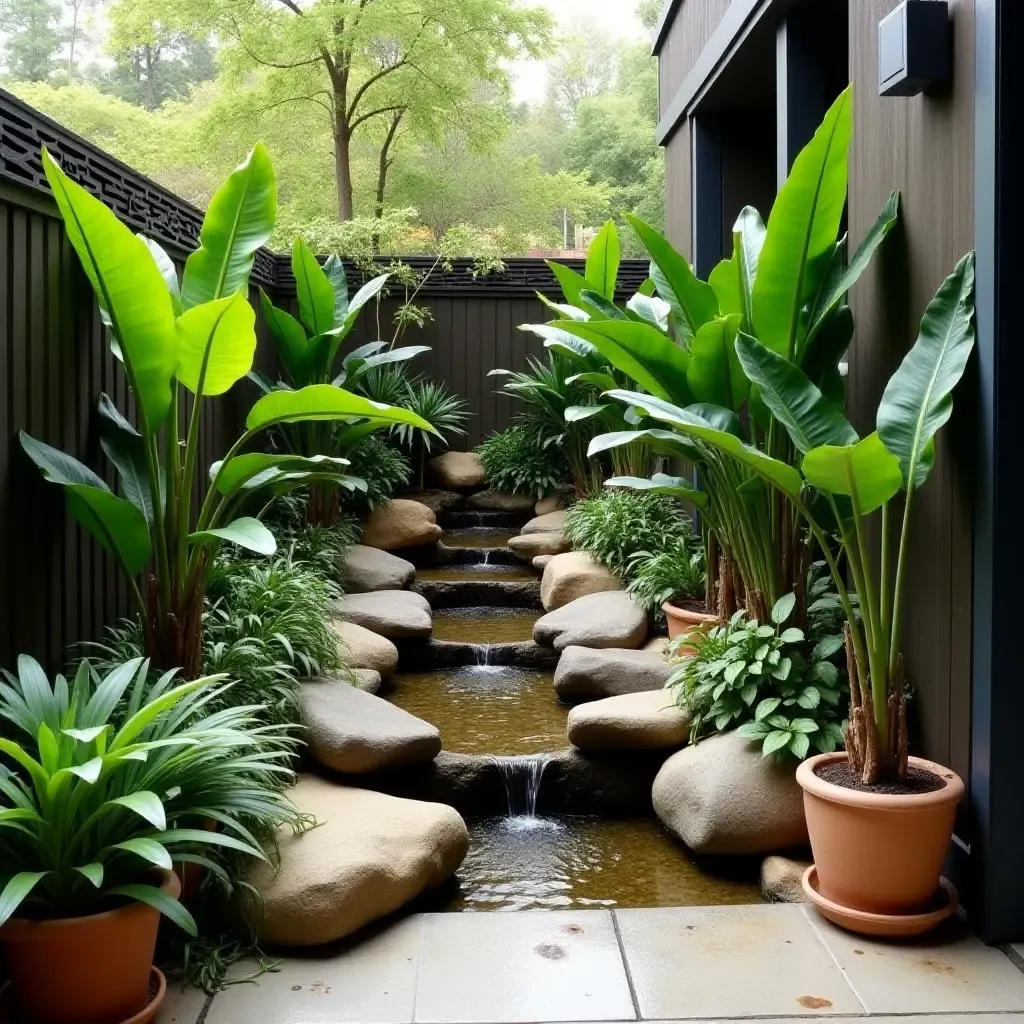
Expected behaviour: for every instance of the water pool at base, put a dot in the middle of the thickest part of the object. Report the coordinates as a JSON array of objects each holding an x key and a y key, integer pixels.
[
  {"x": 567, "y": 863},
  {"x": 485, "y": 625},
  {"x": 481, "y": 710},
  {"x": 483, "y": 573}
]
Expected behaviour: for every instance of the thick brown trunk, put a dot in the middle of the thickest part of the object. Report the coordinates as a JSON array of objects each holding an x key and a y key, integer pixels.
[
  {"x": 343, "y": 169},
  {"x": 324, "y": 505},
  {"x": 383, "y": 167},
  {"x": 175, "y": 639}
]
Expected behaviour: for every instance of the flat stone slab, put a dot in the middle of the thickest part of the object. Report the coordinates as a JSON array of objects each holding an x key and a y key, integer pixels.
[
  {"x": 361, "y": 648},
  {"x": 401, "y": 524},
  {"x": 395, "y": 614},
  {"x": 365, "y": 569},
  {"x": 573, "y": 575},
  {"x": 479, "y": 593},
  {"x": 528, "y": 546},
  {"x": 500, "y": 501},
  {"x": 610, "y": 619},
  {"x": 352, "y": 731},
  {"x": 369, "y": 855},
  {"x": 633, "y": 721},
  {"x": 585, "y": 673},
  {"x": 459, "y": 471},
  {"x": 552, "y": 522},
  {"x": 720, "y": 796}
]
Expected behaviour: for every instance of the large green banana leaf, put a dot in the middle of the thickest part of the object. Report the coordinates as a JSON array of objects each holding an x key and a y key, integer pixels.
[
  {"x": 298, "y": 354},
  {"x": 325, "y": 402},
  {"x": 802, "y": 231},
  {"x": 810, "y": 419},
  {"x": 216, "y": 344},
  {"x": 865, "y": 472},
  {"x": 918, "y": 400},
  {"x": 126, "y": 449},
  {"x": 129, "y": 286},
  {"x": 660, "y": 483},
  {"x": 239, "y": 220},
  {"x": 246, "y": 532},
  {"x": 714, "y": 374},
  {"x": 338, "y": 334},
  {"x": 603, "y": 258},
  {"x": 571, "y": 283},
  {"x": 733, "y": 279},
  {"x": 243, "y": 469},
  {"x": 314, "y": 290}
]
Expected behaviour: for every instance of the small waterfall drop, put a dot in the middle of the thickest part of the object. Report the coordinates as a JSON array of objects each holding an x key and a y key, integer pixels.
[{"x": 522, "y": 777}]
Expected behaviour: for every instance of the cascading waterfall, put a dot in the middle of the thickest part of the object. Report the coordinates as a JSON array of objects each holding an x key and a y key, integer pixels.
[
  {"x": 522, "y": 777},
  {"x": 482, "y": 655}
]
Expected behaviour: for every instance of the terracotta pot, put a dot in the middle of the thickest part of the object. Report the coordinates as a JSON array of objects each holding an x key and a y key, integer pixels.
[
  {"x": 85, "y": 970},
  {"x": 683, "y": 622},
  {"x": 878, "y": 853}
]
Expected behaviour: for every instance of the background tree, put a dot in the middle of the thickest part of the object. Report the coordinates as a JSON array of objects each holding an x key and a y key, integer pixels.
[
  {"x": 585, "y": 65},
  {"x": 75, "y": 9},
  {"x": 34, "y": 38}
]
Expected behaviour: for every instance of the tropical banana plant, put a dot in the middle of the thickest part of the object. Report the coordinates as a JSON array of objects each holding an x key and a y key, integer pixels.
[
  {"x": 856, "y": 478},
  {"x": 308, "y": 349},
  {"x": 784, "y": 285},
  {"x": 196, "y": 336}
]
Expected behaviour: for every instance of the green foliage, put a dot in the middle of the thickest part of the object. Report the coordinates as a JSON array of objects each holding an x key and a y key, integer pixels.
[
  {"x": 318, "y": 546},
  {"x": 385, "y": 470},
  {"x": 616, "y": 526},
  {"x": 445, "y": 412},
  {"x": 33, "y": 37},
  {"x": 676, "y": 573},
  {"x": 90, "y": 809},
  {"x": 516, "y": 460},
  {"x": 773, "y": 684}
]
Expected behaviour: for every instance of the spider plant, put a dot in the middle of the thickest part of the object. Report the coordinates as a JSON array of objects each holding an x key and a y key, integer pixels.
[{"x": 445, "y": 412}]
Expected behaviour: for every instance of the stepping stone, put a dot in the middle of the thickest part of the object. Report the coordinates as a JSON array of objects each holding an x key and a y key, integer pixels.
[
  {"x": 365, "y": 569},
  {"x": 365, "y": 679},
  {"x": 587, "y": 674},
  {"x": 437, "y": 501},
  {"x": 633, "y": 721},
  {"x": 720, "y": 796},
  {"x": 553, "y": 522},
  {"x": 395, "y": 614},
  {"x": 460, "y": 471},
  {"x": 499, "y": 501},
  {"x": 355, "y": 732},
  {"x": 573, "y": 575},
  {"x": 529, "y": 546},
  {"x": 782, "y": 880},
  {"x": 658, "y": 644},
  {"x": 401, "y": 524},
  {"x": 611, "y": 619},
  {"x": 363, "y": 649},
  {"x": 540, "y": 563},
  {"x": 369, "y": 855}
]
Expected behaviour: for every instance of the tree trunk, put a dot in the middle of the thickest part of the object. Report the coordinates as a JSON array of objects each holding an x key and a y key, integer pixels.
[
  {"x": 382, "y": 171},
  {"x": 343, "y": 169},
  {"x": 71, "y": 44},
  {"x": 150, "y": 94}
]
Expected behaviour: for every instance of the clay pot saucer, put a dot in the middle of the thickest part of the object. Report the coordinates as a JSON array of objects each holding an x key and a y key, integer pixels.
[
  {"x": 10, "y": 1011},
  {"x": 892, "y": 926}
]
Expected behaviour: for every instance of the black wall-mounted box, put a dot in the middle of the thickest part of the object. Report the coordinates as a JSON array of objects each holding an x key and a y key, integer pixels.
[{"x": 913, "y": 47}]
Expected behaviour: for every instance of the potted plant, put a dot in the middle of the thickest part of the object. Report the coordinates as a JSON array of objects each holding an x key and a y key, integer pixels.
[
  {"x": 673, "y": 581},
  {"x": 105, "y": 784}
]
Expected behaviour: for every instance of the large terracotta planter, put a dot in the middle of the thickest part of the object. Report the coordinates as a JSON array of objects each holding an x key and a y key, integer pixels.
[
  {"x": 876, "y": 853},
  {"x": 85, "y": 970},
  {"x": 683, "y": 622}
]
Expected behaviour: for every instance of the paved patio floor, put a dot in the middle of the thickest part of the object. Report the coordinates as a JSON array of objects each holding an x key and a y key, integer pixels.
[{"x": 673, "y": 964}]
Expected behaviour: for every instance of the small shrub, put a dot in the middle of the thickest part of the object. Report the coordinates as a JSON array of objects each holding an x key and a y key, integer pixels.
[
  {"x": 385, "y": 470},
  {"x": 678, "y": 572},
  {"x": 772, "y": 684},
  {"x": 616, "y": 526},
  {"x": 517, "y": 461},
  {"x": 320, "y": 547}
]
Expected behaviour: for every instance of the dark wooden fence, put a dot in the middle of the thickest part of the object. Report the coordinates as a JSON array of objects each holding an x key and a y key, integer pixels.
[{"x": 57, "y": 588}]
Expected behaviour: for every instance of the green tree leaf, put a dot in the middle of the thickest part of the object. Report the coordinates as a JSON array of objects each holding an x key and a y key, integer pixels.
[
  {"x": 918, "y": 399},
  {"x": 216, "y": 344},
  {"x": 603, "y": 259},
  {"x": 129, "y": 286},
  {"x": 239, "y": 220},
  {"x": 866, "y": 472}
]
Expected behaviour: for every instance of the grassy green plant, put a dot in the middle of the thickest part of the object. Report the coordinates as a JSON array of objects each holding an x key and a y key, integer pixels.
[
  {"x": 516, "y": 460},
  {"x": 445, "y": 412},
  {"x": 676, "y": 573},
  {"x": 321, "y": 547},
  {"x": 384, "y": 468},
  {"x": 198, "y": 335},
  {"x": 618, "y": 524},
  {"x": 764, "y": 679},
  {"x": 90, "y": 809}
]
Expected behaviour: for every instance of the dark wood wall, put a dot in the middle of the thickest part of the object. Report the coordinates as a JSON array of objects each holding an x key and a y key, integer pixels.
[{"x": 925, "y": 147}]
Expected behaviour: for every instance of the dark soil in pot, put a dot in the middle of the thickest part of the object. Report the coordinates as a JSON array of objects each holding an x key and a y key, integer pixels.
[{"x": 843, "y": 774}]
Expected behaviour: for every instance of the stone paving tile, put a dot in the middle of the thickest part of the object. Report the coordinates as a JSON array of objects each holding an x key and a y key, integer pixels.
[
  {"x": 521, "y": 967},
  {"x": 370, "y": 982},
  {"x": 947, "y": 971},
  {"x": 181, "y": 1006},
  {"x": 699, "y": 962}
]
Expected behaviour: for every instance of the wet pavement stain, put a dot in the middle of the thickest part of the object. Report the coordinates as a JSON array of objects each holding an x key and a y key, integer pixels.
[
  {"x": 550, "y": 951},
  {"x": 814, "y": 1003}
]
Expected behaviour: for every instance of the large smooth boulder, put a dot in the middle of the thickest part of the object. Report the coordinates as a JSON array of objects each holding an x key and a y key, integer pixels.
[
  {"x": 529, "y": 546},
  {"x": 553, "y": 522},
  {"x": 369, "y": 855},
  {"x": 366, "y": 679},
  {"x": 721, "y": 796},
  {"x": 364, "y": 649},
  {"x": 365, "y": 569},
  {"x": 459, "y": 471},
  {"x": 611, "y": 619},
  {"x": 436, "y": 500},
  {"x": 605, "y": 783},
  {"x": 573, "y": 575},
  {"x": 782, "y": 880},
  {"x": 395, "y": 614},
  {"x": 353, "y": 731},
  {"x": 401, "y": 524},
  {"x": 585, "y": 673},
  {"x": 540, "y": 562},
  {"x": 500, "y": 501},
  {"x": 633, "y": 721}
]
